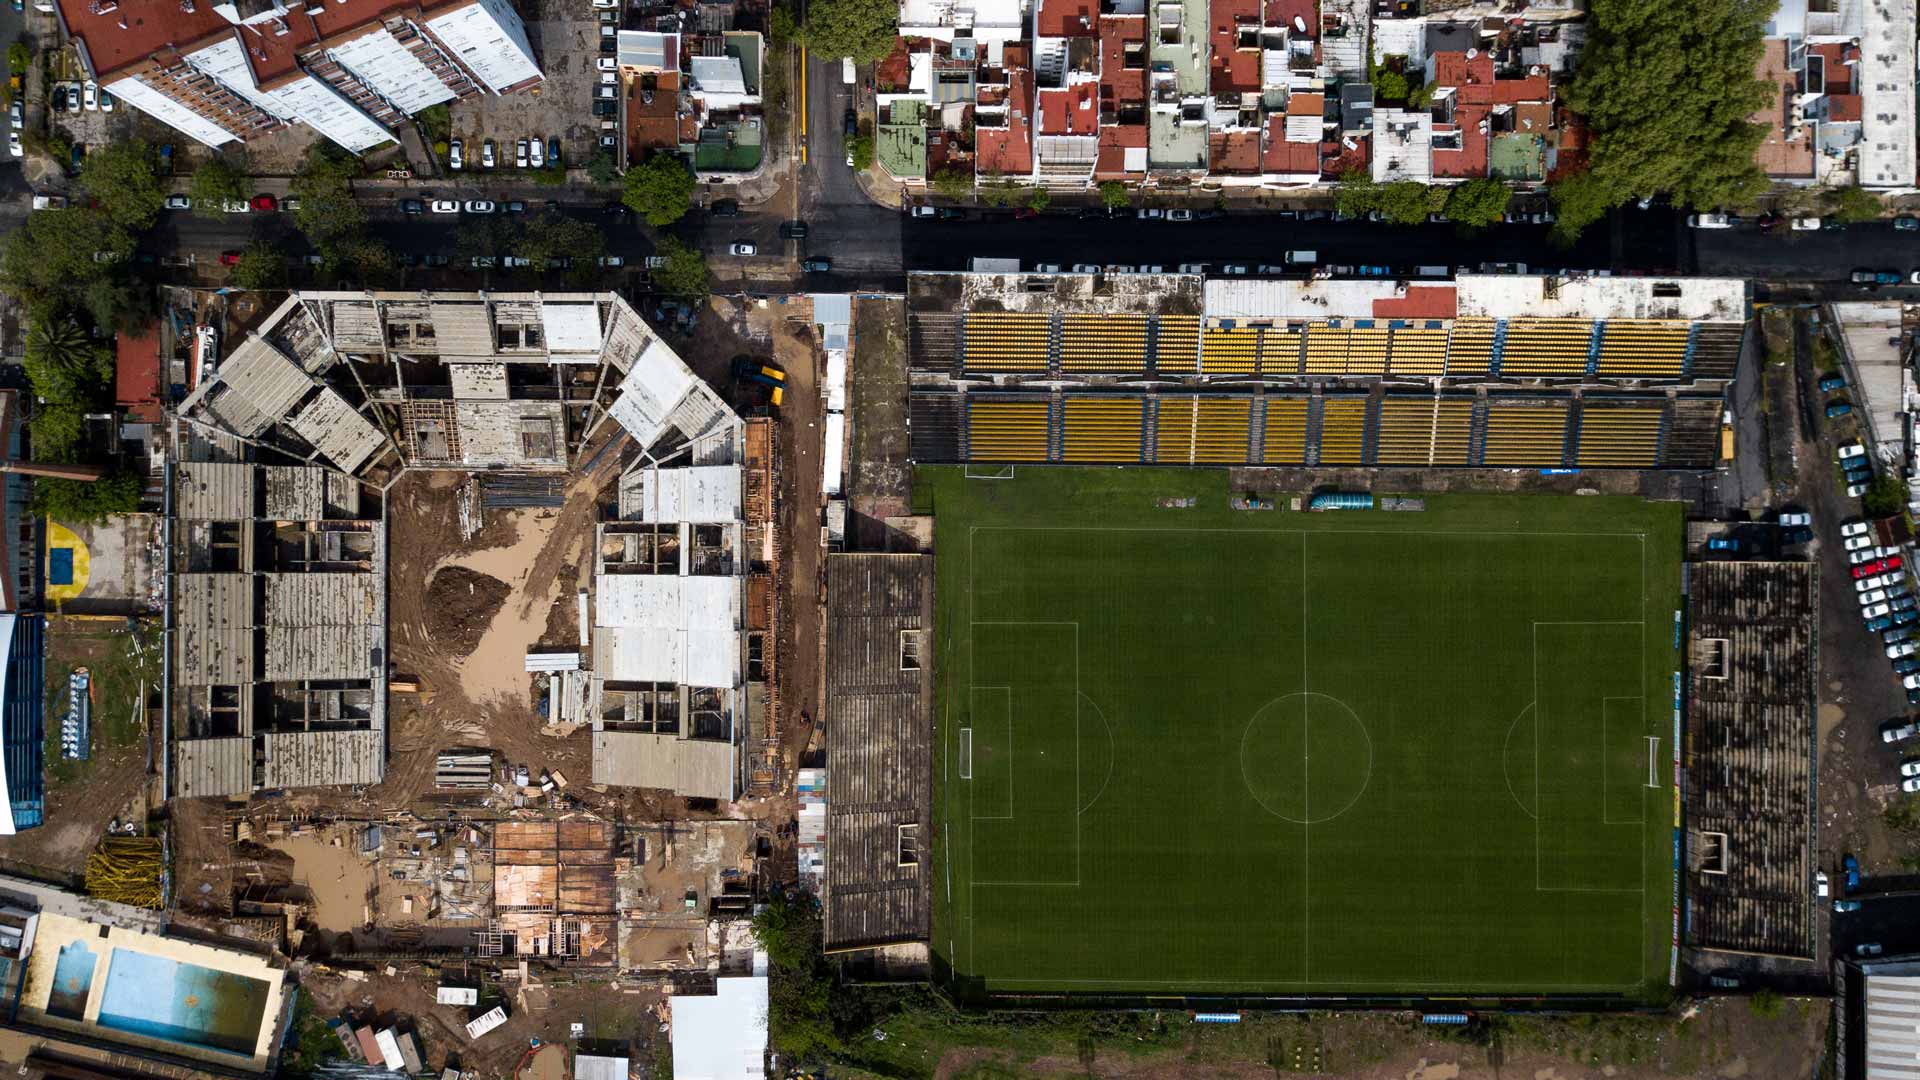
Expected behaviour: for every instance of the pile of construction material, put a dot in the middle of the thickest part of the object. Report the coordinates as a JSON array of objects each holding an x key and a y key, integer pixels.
[{"x": 126, "y": 870}]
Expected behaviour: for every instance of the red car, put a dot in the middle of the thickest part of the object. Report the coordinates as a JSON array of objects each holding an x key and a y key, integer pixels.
[
  {"x": 1891, "y": 562},
  {"x": 229, "y": 258},
  {"x": 264, "y": 203}
]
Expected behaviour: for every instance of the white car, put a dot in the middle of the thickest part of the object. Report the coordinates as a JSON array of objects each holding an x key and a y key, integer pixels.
[
  {"x": 486, "y": 154},
  {"x": 1796, "y": 519},
  {"x": 1855, "y": 528},
  {"x": 1910, "y": 767},
  {"x": 1849, "y": 451},
  {"x": 520, "y": 153},
  {"x": 1193, "y": 268},
  {"x": 106, "y": 100},
  {"x": 1862, "y": 556},
  {"x": 537, "y": 153},
  {"x": 1911, "y": 682},
  {"x": 1875, "y": 611},
  {"x": 1868, "y": 584},
  {"x": 1898, "y": 732},
  {"x": 480, "y": 206},
  {"x": 1875, "y": 596},
  {"x": 456, "y": 158},
  {"x": 1709, "y": 221},
  {"x": 1904, "y": 648},
  {"x": 1855, "y": 491},
  {"x": 90, "y": 95},
  {"x": 17, "y": 114},
  {"x": 1820, "y": 888},
  {"x": 1806, "y": 224},
  {"x": 742, "y": 248},
  {"x": 13, "y": 145},
  {"x": 1085, "y": 268},
  {"x": 1856, "y": 543},
  {"x": 1910, "y": 785},
  {"x": 236, "y": 206},
  {"x": 445, "y": 206}
]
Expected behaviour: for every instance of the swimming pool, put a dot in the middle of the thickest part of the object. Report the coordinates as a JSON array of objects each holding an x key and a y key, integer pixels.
[{"x": 183, "y": 1003}]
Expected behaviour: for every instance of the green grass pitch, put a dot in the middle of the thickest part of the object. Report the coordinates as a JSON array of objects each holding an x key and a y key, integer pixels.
[{"x": 1200, "y": 750}]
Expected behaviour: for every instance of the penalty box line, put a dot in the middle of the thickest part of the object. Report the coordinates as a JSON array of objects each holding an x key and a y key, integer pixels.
[
  {"x": 1539, "y": 802},
  {"x": 1011, "y": 815}
]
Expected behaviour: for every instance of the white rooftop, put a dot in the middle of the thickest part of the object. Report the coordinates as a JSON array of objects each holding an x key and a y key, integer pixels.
[
  {"x": 1893, "y": 1027},
  {"x": 723, "y": 1036},
  {"x": 703, "y": 493},
  {"x": 1507, "y": 296},
  {"x": 1886, "y": 95}
]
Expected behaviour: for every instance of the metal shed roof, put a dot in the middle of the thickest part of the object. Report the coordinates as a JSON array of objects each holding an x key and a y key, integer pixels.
[
  {"x": 343, "y": 436},
  {"x": 213, "y": 491},
  {"x": 692, "y": 767},
  {"x": 213, "y": 767},
  {"x": 320, "y": 758}
]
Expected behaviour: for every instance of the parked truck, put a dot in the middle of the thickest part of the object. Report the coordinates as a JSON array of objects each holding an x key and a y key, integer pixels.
[{"x": 747, "y": 370}]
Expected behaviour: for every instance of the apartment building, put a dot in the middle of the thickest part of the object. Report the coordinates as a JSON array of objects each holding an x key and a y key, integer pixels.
[
  {"x": 1271, "y": 93},
  {"x": 694, "y": 92},
  {"x": 351, "y": 69},
  {"x": 1843, "y": 113}
]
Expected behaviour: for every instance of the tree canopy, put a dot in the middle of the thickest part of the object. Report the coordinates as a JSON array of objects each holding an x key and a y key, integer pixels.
[
  {"x": 661, "y": 189},
  {"x": 685, "y": 273},
  {"x": 261, "y": 266},
  {"x": 324, "y": 186},
  {"x": 1476, "y": 204},
  {"x": 862, "y": 29},
  {"x": 1114, "y": 195},
  {"x": 545, "y": 239},
  {"x": 1666, "y": 89},
  {"x": 216, "y": 183},
  {"x": 124, "y": 177},
  {"x": 1853, "y": 204},
  {"x": 57, "y": 255}
]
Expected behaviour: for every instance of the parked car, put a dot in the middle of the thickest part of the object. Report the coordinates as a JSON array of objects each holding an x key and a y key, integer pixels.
[
  {"x": 537, "y": 154},
  {"x": 1831, "y": 383},
  {"x": 445, "y": 206},
  {"x": 17, "y": 114},
  {"x": 553, "y": 151},
  {"x": 1796, "y": 519},
  {"x": 1711, "y": 221},
  {"x": 179, "y": 202},
  {"x": 1806, "y": 224},
  {"x": 1724, "y": 543},
  {"x": 1841, "y": 907},
  {"x": 1902, "y": 648},
  {"x": 1903, "y": 603},
  {"x": 1868, "y": 584},
  {"x": 73, "y": 98},
  {"x": 236, "y": 206},
  {"x": 1875, "y": 626},
  {"x": 731, "y": 208},
  {"x": 1858, "y": 543},
  {"x": 1906, "y": 223},
  {"x": 90, "y": 95},
  {"x": 435, "y": 261},
  {"x": 1868, "y": 948},
  {"x": 515, "y": 206},
  {"x": 1850, "y": 866},
  {"x": 1905, "y": 618},
  {"x": 487, "y": 160},
  {"x": 1150, "y": 213},
  {"x": 1085, "y": 268},
  {"x": 817, "y": 265},
  {"x": 1820, "y": 884},
  {"x": 520, "y": 154},
  {"x": 456, "y": 155},
  {"x": 1179, "y": 215},
  {"x": 481, "y": 206},
  {"x": 1907, "y": 663},
  {"x": 1874, "y": 611},
  {"x": 741, "y": 247},
  {"x": 1857, "y": 490},
  {"x": 229, "y": 258},
  {"x": 793, "y": 230},
  {"x": 1838, "y": 409},
  {"x": 923, "y": 212},
  {"x": 265, "y": 203},
  {"x": 412, "y": 206}
]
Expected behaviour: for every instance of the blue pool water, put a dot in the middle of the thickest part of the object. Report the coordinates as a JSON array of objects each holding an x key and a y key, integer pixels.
[
  {"x": 183, "y": 1003},
  {"x": 72, "y": 980}
]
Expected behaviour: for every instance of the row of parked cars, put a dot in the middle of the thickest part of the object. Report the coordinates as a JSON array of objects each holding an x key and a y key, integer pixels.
[{"x": 527, "y": 153}]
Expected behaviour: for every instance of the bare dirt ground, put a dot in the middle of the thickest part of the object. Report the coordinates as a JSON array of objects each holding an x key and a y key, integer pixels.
[{"x": 1726, "y": 1040}]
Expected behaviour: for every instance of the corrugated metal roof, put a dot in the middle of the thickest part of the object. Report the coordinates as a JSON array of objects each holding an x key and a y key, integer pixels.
[
  {"x": 595, "y": 1067},
  {"x": 1893, "y": 1027},
  {"x": 520, "y": 433},
  {"x": 706, "y": 494},
  {"x": 689, "y": 603},
  {"x": 357, "y": 326},
  {"x": 321, "y": 626},
  {"x": 213, "y": 767},
  {"x": 343, "y": 436},
  {"x": 295, "y": 493},
  {"x": 320, "y": 758},
  {"x": 271, "y": 383},
  {"x": 691, "y": 767},
  {"x": 213, "y": 624},
  {"x": 483, "y": 381},
  {"x": 213, "y": 491},
  {"x": 462, "y": 329}
]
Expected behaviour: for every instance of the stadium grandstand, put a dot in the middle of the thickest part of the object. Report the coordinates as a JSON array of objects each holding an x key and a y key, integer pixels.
[
  {"x": 1748, "y": 757},
  {"x": 1496, "y": 371}
]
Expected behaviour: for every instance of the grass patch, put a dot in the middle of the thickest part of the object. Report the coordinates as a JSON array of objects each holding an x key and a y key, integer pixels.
[
  {"x": 120, "y": 661},
  {"x": 1214, "y": 751}
]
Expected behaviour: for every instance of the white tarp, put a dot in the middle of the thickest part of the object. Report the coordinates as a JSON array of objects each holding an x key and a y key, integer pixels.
[
  {"x": 572, "y": 328},
  {"x": 831, "y": 465},
  {"x": 721, "y": 1036}
]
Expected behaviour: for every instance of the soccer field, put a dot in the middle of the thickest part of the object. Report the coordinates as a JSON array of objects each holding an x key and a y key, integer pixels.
[{"x": 1199, "y": 750}]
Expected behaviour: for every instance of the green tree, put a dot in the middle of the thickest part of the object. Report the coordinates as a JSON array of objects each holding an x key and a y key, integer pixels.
[
  {"x": 57, "y": 254},
  {"x": 1357, "y": 196},
  {"x": 546, "y": 239},
  {"x": 362, "y": 259},
  {"x": 685, "y": 273},
  {"x": 1406, "y": 202},
  {"x": 79, "y": 502},
  {"x": 58, "y": 428},
  {"x": 117, "y": 300},
  {"x": 1389, "y": 85},
  {"x": 216, "y": 183},
  {"x": 63, "y": 363},
  {"x": 781, "y": 29},
  {"x": 601, "y": 170},
  {"x": 123, "y": 177},
  {"x": 800, "y": 985},
  {"x": 1666, "y": 88},
  {"x": 661, "y": 189},
  {"x": 861, "y": 147},
  {"x": 1479, "y": 203},
  {"x": 953, "y": 182},
  {"x": 1114, "y": 195},
  {"x": 862, "y": 29},
  {"x": 1885, "y": 496},
  {"x": 437, "y": 121},
  {"x": 324, "y": 185},
  {"x": 260, "y": 267},
  {"x": 19, "y": 58},
  {"x": 1038, "y": 199},
  {"x": 1854, "y": 204}
]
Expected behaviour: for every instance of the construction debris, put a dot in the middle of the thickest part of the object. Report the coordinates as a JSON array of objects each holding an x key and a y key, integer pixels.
[
  {"x": 466, "y": 768},
  {"x": 126, "y": 870}
]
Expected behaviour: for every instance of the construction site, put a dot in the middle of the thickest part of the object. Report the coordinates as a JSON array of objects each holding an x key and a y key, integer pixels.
[{"x": 476, "y": 695}]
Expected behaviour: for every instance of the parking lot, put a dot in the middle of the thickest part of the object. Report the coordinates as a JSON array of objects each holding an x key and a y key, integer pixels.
[{"x": 565, "y": 38}]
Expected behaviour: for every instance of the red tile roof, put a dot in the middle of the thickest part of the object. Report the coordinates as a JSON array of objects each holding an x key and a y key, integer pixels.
[
  {"x": 1839, "y": 75},
  {"x": 138, "y": 29},
  {"x": 274, "y": 57},
  {"x": 1282, "y": 12},
  {"x": 1233, "y": 69},
  {"x": 1843, "y": 108},
  {"x": 653, "y": 125},
  {"x": 1471, "y": 158},
  {"x": 1115, "y": 141},
  {"x": 1008, "y": 151},
  {"x": 1307, "y": 105},
  {"x": 136, "y": 374},
  {"x": 1281, "y": 156},
  {"x": 1119, "y": 86},
  {"x": 1236, "y": 152},
  {"x": 894, "y": 69},
  {"x": 1338, "y": 159},
  {"x": 1072, "y": 111},
  {"x": 1514, "y": 91},
  {"x": 1068, "y": 18},
  {"x": 1420, "y": 302}
]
